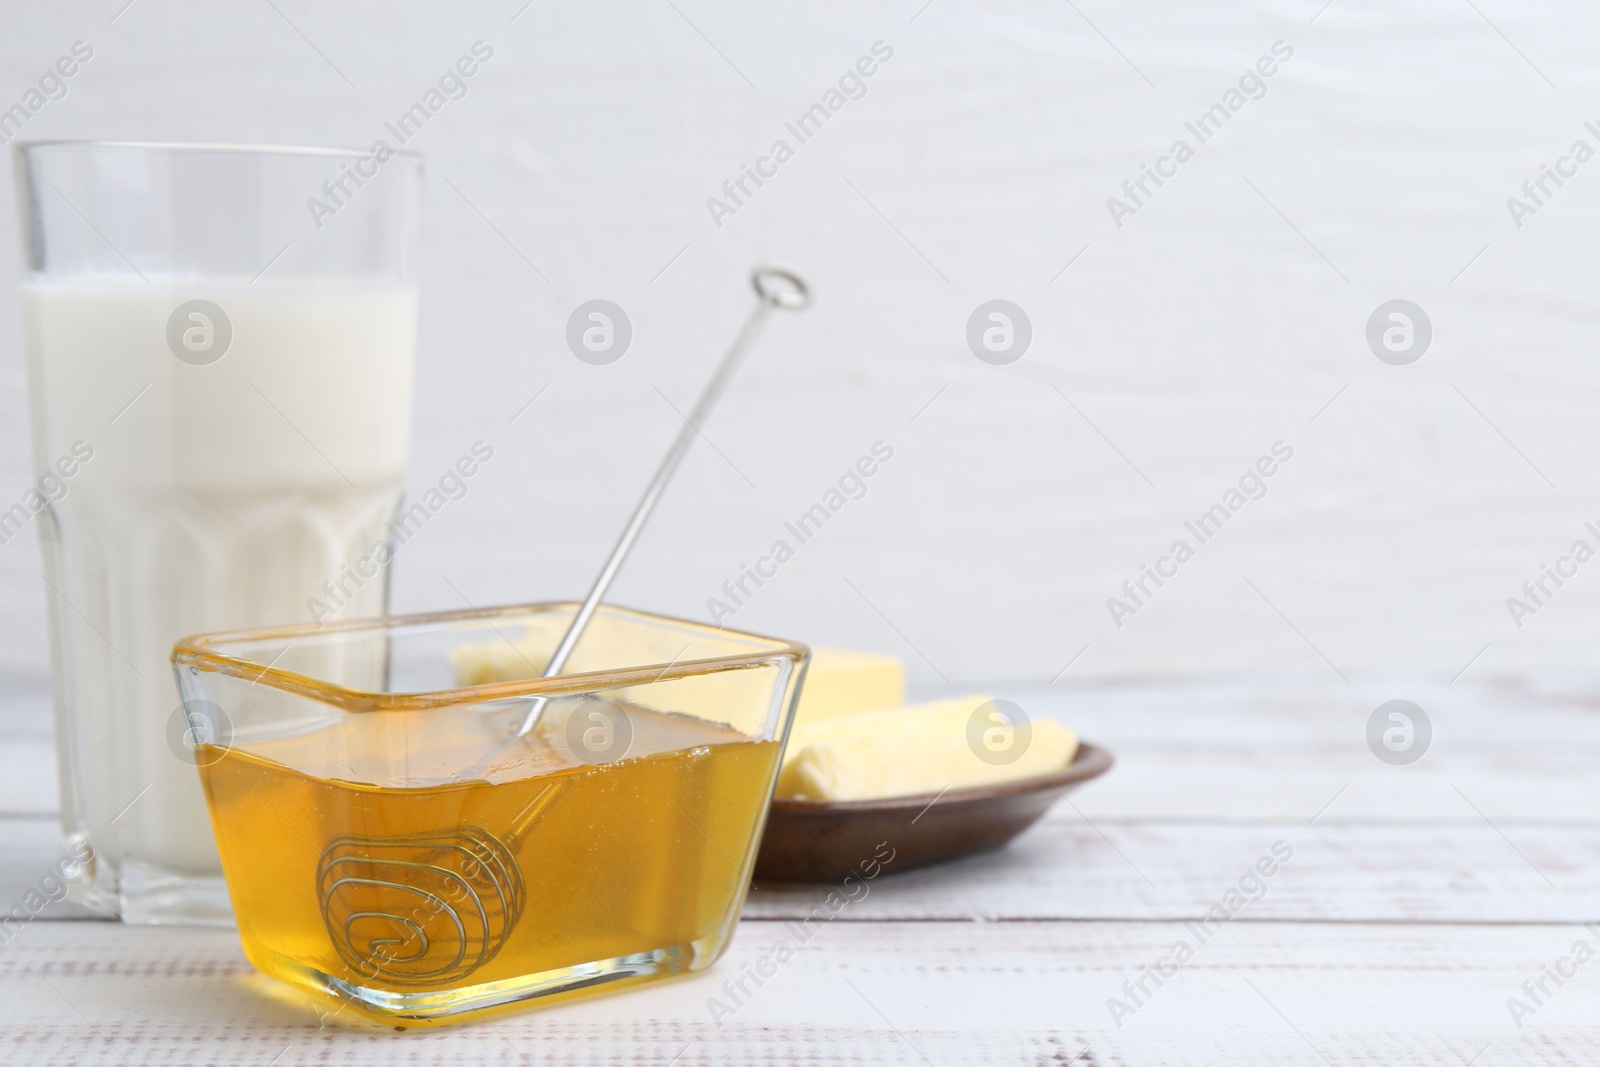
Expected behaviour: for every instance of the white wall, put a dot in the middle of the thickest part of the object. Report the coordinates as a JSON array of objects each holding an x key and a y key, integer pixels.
[{"x": 1203, "y": 330}]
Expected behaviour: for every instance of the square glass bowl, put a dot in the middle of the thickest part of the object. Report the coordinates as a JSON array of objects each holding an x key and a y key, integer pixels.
[{"x": 389, "y": 839}]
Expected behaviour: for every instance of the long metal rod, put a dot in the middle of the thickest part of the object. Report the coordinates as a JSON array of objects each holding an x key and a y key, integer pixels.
[{"x": 791, "y": 297}]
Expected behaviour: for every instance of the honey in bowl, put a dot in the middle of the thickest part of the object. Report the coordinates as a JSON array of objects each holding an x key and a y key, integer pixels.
[
  {"x": 415, "y": 896},
  {"x": 394, "y": 839}
]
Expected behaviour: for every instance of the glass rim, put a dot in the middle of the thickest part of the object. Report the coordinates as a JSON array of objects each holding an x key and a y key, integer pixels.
[
  {"x": 213, "y": 147},
  {"x": 199, "y": 651}
]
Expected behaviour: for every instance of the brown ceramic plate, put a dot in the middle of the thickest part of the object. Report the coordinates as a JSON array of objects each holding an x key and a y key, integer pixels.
[{"x": 822, "y": 841}]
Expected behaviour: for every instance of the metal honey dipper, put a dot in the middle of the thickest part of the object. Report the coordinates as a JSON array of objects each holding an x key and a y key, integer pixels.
[
  {"x": 433, "y": 907},
  {"x": 446, "y": 900}
]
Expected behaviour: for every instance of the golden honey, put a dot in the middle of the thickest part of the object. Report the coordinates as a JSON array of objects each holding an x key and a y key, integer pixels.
[{"x": 356, "y": 869}]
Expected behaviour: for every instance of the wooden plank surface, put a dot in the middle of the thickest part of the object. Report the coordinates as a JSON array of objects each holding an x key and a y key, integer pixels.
[
  {"x": 1065, "y": 869},
  {"x": 1417, "y": 900},
  {"x": 860, "y": 993},
  {"x": 1362, "y": 873}
]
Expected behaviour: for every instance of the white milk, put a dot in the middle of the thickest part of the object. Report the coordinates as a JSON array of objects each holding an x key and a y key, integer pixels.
[{"x": 222, "y": 497}]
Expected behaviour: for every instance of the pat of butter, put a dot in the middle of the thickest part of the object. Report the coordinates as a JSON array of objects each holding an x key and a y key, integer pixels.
[
  {"x": 840, "y": 681},
  {"x": 910, "y": 751},
  {"x": 483, "y": 662}
]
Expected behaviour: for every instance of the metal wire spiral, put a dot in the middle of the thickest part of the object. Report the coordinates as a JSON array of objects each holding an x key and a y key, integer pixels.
[{"x": 422, "y": 908}]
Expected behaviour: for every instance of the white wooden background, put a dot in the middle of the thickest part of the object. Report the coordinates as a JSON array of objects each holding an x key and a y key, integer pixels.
[
  {"x": 1224, "y": 316},
  {"x": 1418, "y": 900}
]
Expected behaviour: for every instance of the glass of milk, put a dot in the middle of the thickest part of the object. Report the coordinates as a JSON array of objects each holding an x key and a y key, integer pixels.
[{"x": 220, "y": 343}]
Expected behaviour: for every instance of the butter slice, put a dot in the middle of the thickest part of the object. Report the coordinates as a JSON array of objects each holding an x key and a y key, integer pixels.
[
  {"x": 841, "y": 681},
  {"x": 838, "y": 682},
  {"x": 922, "y": 749},
  {"x": 483, "y": 662}
]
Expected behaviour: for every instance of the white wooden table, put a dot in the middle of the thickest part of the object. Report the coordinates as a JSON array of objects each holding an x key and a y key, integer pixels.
[{"x": 1417, "y": 901}]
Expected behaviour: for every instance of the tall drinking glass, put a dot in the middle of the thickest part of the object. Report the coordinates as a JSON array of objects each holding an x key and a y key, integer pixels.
[{"x": 220, "y": 343}]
